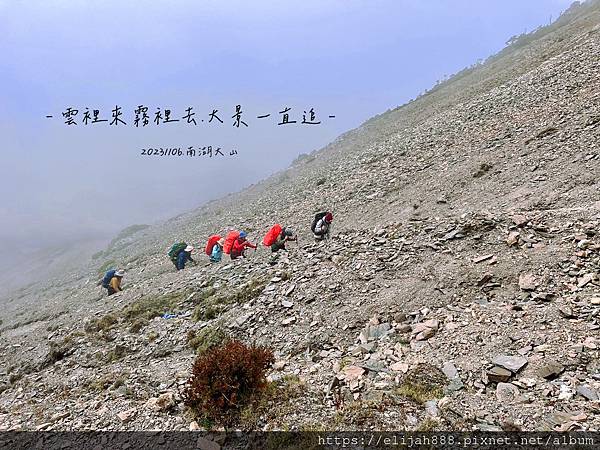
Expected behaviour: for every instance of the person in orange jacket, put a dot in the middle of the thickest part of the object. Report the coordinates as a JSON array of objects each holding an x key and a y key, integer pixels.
[
  {"x": 240, "y": 245},
  {"x": 115, "y": 282}
]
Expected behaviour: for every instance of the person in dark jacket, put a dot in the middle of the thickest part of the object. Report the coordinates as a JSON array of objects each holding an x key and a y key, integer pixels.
[
  {"x": 240, "y": 245},
  {"x": 184, "y": 256},
  {"x": 286, "y": 235}
]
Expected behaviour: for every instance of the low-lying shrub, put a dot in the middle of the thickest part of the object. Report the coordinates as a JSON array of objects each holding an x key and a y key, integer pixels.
[
  {"x": 104, "y": 323},
  {"x": 206, "y": 338},
  {"x": 227, "y": 378},
  {"x": 153, "y": 306},
  {"x": 213, "y": 302}
]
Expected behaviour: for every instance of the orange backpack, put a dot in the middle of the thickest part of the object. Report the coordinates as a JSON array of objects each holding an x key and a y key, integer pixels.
[
  {"x": 211, "y": 243},
  {"x": 272, "y": 235},
  {"x": 229, "y": 240}
]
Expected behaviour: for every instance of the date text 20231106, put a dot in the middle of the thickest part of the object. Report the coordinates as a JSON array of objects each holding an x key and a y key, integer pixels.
[{"x": 208, "y": 151}]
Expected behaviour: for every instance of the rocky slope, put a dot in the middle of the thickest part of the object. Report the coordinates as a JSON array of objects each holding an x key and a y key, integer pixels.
[{"x": 460, "y": 289}]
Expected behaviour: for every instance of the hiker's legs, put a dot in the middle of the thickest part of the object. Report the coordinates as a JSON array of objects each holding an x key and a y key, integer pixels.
[{"x": 111, "y": 291}]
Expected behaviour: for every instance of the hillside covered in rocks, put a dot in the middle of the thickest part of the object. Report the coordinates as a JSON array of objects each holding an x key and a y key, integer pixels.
[{"x": 460, "y": 288}]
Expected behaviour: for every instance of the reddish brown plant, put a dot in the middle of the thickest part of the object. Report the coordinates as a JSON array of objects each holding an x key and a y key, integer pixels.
[{"x": 227, "y": 378}]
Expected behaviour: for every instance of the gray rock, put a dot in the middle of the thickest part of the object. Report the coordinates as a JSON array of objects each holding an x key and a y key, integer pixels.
[
  {"x": 372, "y": 332},
  {"x": 507, "y": 393},
  {"x": 425, "y": 334},
  {"x": 550, "y": 370},
  {"x": 455, "y": 385},
  {"x": 454, "y": 234},
  {"x": 487, "y": 427},
  {"x": 512, "y": 363},
  {"x": 242, "y": 319},
  {"x": 431, "y": 408},
  {"x": 593, "y": 368},
  {"x": 498, "y": 374},
  {"x": 527, "y": 282},
  {"x": 566, "y": 312},
  {"x": 587, "y": 392},
  {"x": 450, "y": 370},
  {"x": 404, "y": 328}
]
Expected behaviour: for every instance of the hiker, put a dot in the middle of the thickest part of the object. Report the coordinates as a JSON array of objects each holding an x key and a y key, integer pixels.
[
  {"x": 239, "y": 246},
  {"x": 184, "y": 256},
  {"x": 322, "y": 225},
  {"x": 217, "y": 251},
  {"x": 112, "y": 281},
  {"x": 286, "y": 235},
  {"x": 214, "y": 247}
]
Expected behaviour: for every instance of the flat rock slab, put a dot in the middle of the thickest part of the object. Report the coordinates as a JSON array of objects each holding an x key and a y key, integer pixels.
[
  {"x": 550, "y": 370},
  {"x": 353, "y": 372},
  {"x": 399, "y": 367},
  {"x": 374, "y": 332},
  {"x": 512, "y": 363},
  {"x": 499, "y": 374},
  {"x": 527, "y": 282},
  {"x": 450, "y": 370},
  {"x": 587, "y": 392}
]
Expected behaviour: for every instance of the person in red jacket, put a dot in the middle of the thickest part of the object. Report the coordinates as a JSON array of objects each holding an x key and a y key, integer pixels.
[{"x": 239, "y": 246}]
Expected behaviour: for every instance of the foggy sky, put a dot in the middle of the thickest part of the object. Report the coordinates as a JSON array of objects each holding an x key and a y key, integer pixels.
[{"x": 349, "y": 58}]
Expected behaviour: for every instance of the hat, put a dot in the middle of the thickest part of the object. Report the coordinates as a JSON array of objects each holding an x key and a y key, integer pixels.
[
  {"x": 288, "y": 232},
  {"x": 328, "y": 217},
  {"x": 189, "y": 248},
  {"x": 119, "y": 273},
  {"x": 221, "y": 242},
  {"x": 243, "y": 234}
]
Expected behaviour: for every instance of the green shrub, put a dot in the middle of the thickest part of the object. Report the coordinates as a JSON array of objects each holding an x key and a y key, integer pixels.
[
  {"x": 152, "y": 336},
  {"x": 105, "y": 323},
  {"x": 117, "y": 353},
  {"x": 205, "y": 312},
  {"x": 153, "y": 306},
  {"x": 422, "y": 383},
  {"x": 276, "y": 402},
  {"x": 138, "y": 325},
  {"x": 206, "y": 338},
  {"x": 14, "y": 377},
  {"x": 58, "y": 350},
  {"x": 285, "y": 275},
  {"x": 210, "y": 306}
]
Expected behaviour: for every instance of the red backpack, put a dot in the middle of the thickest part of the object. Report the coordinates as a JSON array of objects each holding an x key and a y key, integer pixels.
[
  {"x": 211, "y": 243},
  {"x": 229, "y": 240},
  {"x": 272, "y": 235}
]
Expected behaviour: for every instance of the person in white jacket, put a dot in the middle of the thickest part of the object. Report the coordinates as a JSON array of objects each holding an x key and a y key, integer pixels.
[{"x": 323, "y": 227}]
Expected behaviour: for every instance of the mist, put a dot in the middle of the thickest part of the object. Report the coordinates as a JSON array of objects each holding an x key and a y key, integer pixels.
[{"x": 63, "y": 184}]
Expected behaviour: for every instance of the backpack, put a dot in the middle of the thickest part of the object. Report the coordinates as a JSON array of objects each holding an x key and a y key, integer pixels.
[
  {"x": 107, "y": 277},
  {"x": 272, "y": 235},
  {"x": 211, "y": 243},
  {"x": 176, "y": 249},
  {"x": 318, "y": 217},
  {"x": 229, "y": 240}
]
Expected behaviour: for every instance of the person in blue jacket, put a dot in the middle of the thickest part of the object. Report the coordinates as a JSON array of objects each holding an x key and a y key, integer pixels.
[
  {"x": 217, "y": 251},
  {"x": 184, "y": 256}
]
